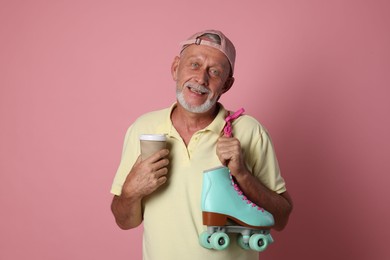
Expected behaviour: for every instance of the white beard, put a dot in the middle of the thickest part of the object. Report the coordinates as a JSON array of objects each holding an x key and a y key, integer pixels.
[{"x": 206, "y": 106}]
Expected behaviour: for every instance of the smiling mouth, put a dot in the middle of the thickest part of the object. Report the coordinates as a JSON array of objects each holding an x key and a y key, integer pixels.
[{"x": 198, "y": 90}]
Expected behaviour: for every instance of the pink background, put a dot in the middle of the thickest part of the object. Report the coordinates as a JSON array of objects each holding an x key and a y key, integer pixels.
[{"x": 75, "y": 74}]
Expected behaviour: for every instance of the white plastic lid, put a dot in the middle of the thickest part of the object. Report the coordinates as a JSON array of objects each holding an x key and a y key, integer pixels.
[{"x": 153, "y": 137}]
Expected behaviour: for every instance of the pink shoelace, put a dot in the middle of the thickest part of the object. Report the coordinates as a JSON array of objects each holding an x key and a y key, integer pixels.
[{"x": 228, "y": 132}]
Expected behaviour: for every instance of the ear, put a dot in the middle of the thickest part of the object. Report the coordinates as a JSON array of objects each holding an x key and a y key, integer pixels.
[
  {"x": 174, "y": 67},
  {"x": 228, "y": 84}
]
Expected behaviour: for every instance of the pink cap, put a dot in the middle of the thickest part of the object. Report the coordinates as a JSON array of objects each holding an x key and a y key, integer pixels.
[{"x": 226, "y": 46}]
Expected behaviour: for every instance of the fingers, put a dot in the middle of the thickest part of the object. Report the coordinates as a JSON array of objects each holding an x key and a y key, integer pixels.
[
  {"x": 157, "y": 178},
  {"x": 228, "y": 146},
  {"x": 161, "y": 174},
  {"x": 157, "y": 156},
  {"x": 160, "y": 167},
  {"x": 156, "y": 161},
  {"x": 147, "y": 175},
  {"x": 157, "y": 166},
  {"x": 229, "y": 152}
]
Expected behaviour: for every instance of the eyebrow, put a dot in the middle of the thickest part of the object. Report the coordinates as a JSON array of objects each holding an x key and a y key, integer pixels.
[{"x": 196, "y": 58}]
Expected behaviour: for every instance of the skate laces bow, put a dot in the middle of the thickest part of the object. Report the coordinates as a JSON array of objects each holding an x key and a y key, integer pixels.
[{"x": 227, "y": 130}]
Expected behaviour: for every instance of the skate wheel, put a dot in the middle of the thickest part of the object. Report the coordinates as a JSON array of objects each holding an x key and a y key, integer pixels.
[
  {"x": 258, "y": 242},
  {"x": 204, "y": 240},
  {"x": 241, "y": 243},
  {"x": 219, "y": 240}
]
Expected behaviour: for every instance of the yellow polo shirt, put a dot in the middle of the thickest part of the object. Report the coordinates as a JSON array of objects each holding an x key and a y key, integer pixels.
[{"x": 172, "y": 214}]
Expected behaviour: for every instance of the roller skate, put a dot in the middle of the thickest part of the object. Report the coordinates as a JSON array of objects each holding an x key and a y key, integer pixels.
[{"x": 225, "y": 210}]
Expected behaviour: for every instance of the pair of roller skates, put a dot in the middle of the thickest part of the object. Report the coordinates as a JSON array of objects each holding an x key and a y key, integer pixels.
[{"x": 225, "y": 210}]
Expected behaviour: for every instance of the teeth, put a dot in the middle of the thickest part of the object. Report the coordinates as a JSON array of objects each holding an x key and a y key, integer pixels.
[{"x": 196, "y": 91}]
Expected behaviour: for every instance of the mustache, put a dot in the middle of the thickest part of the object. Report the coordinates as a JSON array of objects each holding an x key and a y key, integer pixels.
[{"x": 197, "y": 87}]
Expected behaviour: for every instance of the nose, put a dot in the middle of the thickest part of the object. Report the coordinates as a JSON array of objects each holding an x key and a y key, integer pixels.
[{"x": 202, "y": 77}]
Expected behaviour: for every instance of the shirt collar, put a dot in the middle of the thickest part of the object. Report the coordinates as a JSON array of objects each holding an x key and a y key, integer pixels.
[
  {"x": 216, "y": 125},
  {"x": 219, "y": 121}
]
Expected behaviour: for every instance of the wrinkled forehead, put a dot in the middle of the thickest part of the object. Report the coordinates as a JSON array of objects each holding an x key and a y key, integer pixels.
[{"x": 204, "y": 52}]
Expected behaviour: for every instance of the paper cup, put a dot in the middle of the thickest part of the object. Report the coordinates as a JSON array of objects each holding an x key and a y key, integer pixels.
[{"x": 151, "y": 143}]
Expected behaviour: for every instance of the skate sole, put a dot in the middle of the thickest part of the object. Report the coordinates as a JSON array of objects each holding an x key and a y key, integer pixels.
[{"x": 217, "y": 219}]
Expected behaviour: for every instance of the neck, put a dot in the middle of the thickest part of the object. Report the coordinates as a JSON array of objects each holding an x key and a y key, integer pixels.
[{"x": 187, "y": 123}]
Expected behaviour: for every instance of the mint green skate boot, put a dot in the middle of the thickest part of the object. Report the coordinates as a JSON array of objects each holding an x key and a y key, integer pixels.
[{"x": 223, "y": 201}]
